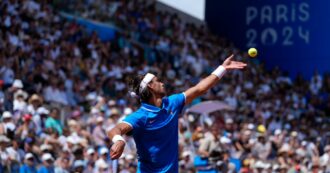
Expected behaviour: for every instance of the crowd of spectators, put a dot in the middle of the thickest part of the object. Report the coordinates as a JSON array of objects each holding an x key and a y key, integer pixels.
[{"x": 62, "y": 89}]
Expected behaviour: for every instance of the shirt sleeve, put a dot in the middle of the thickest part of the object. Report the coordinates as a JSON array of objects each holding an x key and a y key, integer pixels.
[
  {"x": 135, "y": 120},
  {"x": 21, "y": 169},
  {"x": 48, "y": 123},
  {"x": 177, "y": 101}
]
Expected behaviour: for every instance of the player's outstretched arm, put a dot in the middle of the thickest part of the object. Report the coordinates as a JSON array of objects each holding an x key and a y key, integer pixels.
[
  {"x": 115, "y": 135},
  {"x": 204, "y": 85}
]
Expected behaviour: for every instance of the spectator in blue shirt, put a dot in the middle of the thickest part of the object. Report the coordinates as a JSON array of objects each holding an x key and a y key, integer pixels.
[
  {"x": 47, "y": 164},
  {"x": 29, "y": 165}
]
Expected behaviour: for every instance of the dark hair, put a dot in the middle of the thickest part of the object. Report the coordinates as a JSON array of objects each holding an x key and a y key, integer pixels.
[
  {"x": 134, "y": 84},
  {"x": 55, "y": 109}
]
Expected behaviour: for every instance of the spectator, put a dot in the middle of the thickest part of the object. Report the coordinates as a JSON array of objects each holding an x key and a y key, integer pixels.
[
  {"x": 98, "y": 132},
  {"x": 19, "y": 103},
  {"x": 35, "y": 101},
  {"x": 29, "y": 165},
  {"x": 7, "y": 126},
  {"x": 78, "y": 166},
  {"x": 102, "y": 167},
  {"x": 26, "y": 127},
  {"x": 91, "y": 159},
  {"x": 53, "y": 121},
  {"x": 210, "y": 142},
  {"x": 64, "y": 166},
  {"x": 48, "y": 61},
  {"x": 262, "y": 147},
  {"x": 47, "y": 164},
  {"x": 9, "y": 94}
]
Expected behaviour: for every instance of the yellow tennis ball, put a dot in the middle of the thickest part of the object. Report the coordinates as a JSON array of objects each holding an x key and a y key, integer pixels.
[{"x": 253, "y": 52}]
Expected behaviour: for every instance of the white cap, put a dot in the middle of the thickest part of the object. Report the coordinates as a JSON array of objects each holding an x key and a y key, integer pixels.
[
  {"x": 104, "y": 151},
  {"x": 127, "y": 111},
  {"x": 21, "y": 93},
  {"x": 71, "y": 139},
  {"x": 101, "y": 164},
  {"x": 4, "y": 138},
  {"x": 191, "y": 118},
  {"x": 290, "y": 117},
  {"x": 278, "y": 132},
  {"x": 267, "y": 165},
  {"x": 186, "y": 153},
  {"x": 258, "y": 164},
  {"x": 99, "y": 119},
  {"x": 262, "y": 165},
  {"x": 28, "y": 156},
  {"x": 7, "y": 114},
  {"x": 91, "y": 96},
  {"x": 44, "y": 147},
  {"x": 95, "y": 111},
  {"x": 72, "y": 123},
  {"x": 294, "y": 134},
  {"x": 225, "y": 140},
  {"x": 251, "y": 126},
  {"x": 111, "y": 102},
  {"x": 42, "y": 110},
  {"x": 90, "y": 151},
  {"x": 229, "y": 121},
  {"x": 276, "y": 166},
  {"x": 17, "y": 83},
  {"x": 78, "y": 163},
  {"x": 47, "y": 156}
]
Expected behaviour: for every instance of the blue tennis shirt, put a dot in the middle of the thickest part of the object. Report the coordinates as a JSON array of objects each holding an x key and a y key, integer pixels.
[{"x": 155, "y": 131}]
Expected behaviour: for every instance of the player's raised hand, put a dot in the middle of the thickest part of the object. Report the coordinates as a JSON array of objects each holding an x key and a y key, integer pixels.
[
  {"x": 117, "y": 149},
  {"x": 229, "y": 64}
]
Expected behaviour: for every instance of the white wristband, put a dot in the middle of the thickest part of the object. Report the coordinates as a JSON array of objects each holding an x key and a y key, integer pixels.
[
  {"x": 118, "y": 138},
  {"x": 220, "y": 71}
]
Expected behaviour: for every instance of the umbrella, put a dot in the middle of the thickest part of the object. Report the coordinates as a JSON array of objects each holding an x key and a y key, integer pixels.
[{"x": 207, "y": 107}]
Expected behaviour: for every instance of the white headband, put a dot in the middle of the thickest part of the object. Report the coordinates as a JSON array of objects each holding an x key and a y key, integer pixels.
[{"x": 147, "y": 79}]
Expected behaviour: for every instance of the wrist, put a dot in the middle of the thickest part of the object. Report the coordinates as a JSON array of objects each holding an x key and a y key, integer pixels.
[
  {"x": 220, "y": 71},
  {"x": 117, "y": 138}
]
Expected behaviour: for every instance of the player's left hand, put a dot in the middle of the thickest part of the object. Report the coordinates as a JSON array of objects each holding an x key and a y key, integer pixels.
[
  {"x": 229, "y": 64},
  {"x": 117, "y": 149}
]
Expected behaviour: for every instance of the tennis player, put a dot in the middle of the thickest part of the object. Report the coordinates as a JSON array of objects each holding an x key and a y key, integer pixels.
[{"x": 155, "y": 124}]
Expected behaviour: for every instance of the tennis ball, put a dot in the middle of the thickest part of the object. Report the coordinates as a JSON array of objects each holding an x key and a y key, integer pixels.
[{"x": 253, "y": 52}]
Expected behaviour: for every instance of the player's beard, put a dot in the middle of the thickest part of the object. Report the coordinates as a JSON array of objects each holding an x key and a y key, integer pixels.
[{"x": 162, "y": 92}]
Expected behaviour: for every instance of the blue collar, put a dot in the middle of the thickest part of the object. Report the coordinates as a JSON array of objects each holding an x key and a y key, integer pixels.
[{"x": 150, "y": 108}]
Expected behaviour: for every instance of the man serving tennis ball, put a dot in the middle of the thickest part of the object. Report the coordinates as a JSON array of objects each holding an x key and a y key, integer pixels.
[{"x": 155, "y": 123}]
